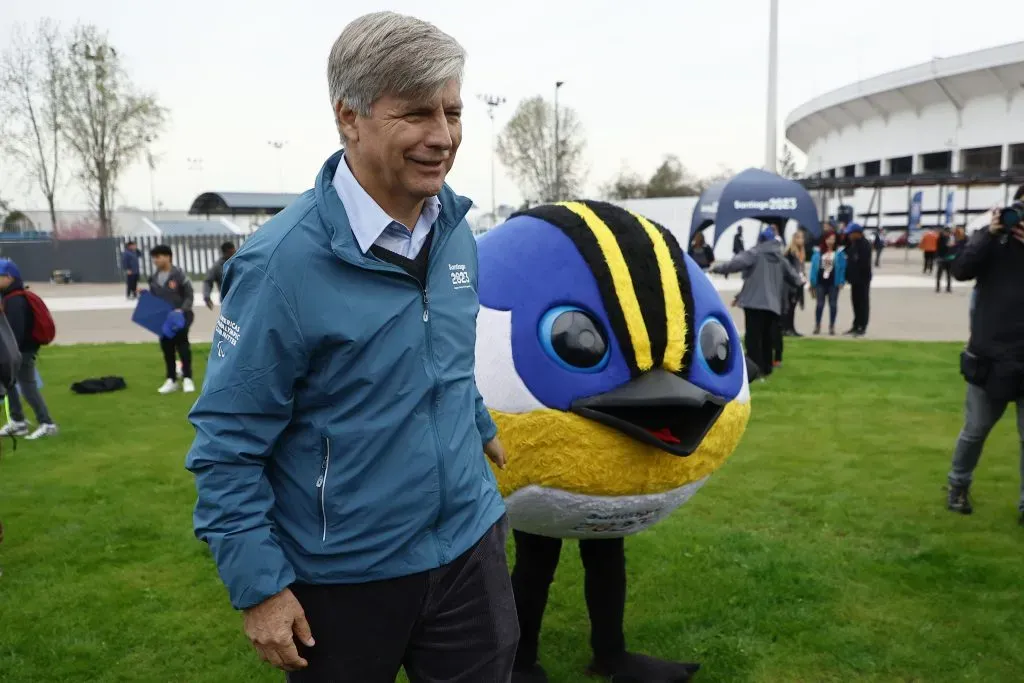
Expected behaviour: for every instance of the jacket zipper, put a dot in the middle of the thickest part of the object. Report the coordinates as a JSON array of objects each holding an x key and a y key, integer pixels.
[{"x": 321, "y": 483}]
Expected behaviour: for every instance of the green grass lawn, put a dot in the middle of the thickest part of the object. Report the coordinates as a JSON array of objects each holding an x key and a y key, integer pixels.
[{"x": 820, "y": 552}]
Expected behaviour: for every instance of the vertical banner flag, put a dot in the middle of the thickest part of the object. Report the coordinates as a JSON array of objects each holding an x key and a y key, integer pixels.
[
  {"x": 949, "y": 209},
  {"x": 915, "y": 212}
]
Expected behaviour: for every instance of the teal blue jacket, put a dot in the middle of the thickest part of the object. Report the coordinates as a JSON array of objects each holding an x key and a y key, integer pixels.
[
  {"x": 340, "y": 432},
  {"x": 840, "y": 267}
]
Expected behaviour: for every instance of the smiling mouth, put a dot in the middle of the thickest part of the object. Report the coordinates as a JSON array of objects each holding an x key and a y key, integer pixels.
[
  {"x": 428, "y": 164},
  {"x": 657, "y": 408}
]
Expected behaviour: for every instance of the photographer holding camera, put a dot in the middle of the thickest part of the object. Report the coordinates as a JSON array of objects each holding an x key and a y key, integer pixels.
[{"x": 993, "y": 362}]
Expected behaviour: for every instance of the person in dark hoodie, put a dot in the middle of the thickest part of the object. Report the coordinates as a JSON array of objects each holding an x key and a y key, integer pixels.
[
  {"x": 858, "y": 274},
  {"x": 215, "y": 276},
  {"x": 765, "y": 272},
  {"x": 168, "y": 282},
  {"x": 21, "y": 319},
  {"x": 130, "y": 264}
]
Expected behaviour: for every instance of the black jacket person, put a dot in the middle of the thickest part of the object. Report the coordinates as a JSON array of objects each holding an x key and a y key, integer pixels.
[{"x": 170, "y": 283}]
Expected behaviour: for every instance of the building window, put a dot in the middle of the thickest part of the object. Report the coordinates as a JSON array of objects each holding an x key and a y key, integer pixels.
[
  {"x": 937, "y": 162},
  {"x": 849, "y": 171},
  {"x": 1017, "y": 157},
  {"x": 831, "y": 173},
  {"x": 901, "y": 166},
  {"x": 981, "y": 160},
  {"x": 872, "y": 169}
]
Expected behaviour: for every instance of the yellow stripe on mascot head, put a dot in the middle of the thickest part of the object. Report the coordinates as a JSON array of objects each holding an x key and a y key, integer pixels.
[{"x": 610, "y": 365}]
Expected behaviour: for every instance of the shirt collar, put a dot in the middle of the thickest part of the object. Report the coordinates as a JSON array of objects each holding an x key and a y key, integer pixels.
[{"x": 367, "y": 219}]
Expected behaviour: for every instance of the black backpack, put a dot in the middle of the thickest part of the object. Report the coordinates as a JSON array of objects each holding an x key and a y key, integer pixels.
[
  {"x": 10, "y": 357},
  {"x": 98, "y": 385}
]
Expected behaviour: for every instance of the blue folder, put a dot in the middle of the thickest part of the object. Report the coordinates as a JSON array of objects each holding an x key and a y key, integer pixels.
[{"x": 151, "y": 312}]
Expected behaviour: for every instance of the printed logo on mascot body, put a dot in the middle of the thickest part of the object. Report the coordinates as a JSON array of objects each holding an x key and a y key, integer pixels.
[{"x": 617, "y": 381}]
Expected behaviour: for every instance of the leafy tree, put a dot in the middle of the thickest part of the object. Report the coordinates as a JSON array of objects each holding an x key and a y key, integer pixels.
[
  {"x": 626, "y": 185},
  {"x": 671, "y": 180},
  {"x": 787, "y": 166}
]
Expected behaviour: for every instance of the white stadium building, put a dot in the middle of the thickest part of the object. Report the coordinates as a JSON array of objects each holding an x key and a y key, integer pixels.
[{"x": 954, "y": 124}]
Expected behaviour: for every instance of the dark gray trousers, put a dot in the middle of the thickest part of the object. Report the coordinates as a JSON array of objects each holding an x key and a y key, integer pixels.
[
  {"x": 981, "y": 414},
  {"x": 27, "y": 384},
  {"x": 455, "y": 624}
]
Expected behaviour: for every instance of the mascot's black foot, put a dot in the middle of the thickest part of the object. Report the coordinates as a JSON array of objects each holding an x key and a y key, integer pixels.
[
  {"x": 634, "y": 668},
  {"x": 535, "y": 674}
]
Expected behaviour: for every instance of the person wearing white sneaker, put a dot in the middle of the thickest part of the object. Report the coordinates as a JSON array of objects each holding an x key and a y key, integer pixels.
[
  {"x": 168, "y": 282},
  {"x": 22, "y": 319}
]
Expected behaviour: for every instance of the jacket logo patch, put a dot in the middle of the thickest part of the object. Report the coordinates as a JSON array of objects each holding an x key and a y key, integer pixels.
[
  {"x": 460, "y": 276},
  {"x": 229, "y": 330}
]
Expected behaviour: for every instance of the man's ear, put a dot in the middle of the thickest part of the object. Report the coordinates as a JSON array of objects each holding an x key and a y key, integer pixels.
[{"x": 346, "y": 120}]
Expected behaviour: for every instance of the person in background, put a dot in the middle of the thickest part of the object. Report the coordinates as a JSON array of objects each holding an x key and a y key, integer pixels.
[
  {"x": 765, "y": 271},
  {"x": 21, "y": 318},
  {"x": 878, "y": 242},
  {"x": 828, "y": 275},
  {"x": 992, "y": 363},
  {"x": 130, "y": 264},
  {"x": 738, "y": 246},
  {"x": 215, "y": 276},
  {"x": 168, "y": 282},
  {"x": 701, "y": 252},
  {"x": 929, "y": 246},
  {"x": 858, "y": 274},
  {"x": 944, "y": 254},
  {"x": 796, "y": 254}
]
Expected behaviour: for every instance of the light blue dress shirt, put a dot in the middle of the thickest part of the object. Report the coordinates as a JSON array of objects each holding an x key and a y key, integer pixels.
[{"x": 371, "y": 225}]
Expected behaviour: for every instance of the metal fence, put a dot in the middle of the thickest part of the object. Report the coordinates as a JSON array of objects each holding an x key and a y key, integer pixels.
[{"x": 194, "y": 254}]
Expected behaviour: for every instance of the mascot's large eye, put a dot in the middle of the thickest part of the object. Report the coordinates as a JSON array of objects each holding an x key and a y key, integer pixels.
[
  {"x": 572, "y": 338},
  {"x": 714, "y": 346}
]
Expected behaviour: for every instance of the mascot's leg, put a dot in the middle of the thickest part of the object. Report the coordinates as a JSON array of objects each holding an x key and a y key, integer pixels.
[
  {"x": 536, "y": 561},
  {"x": 604, "y": 586}
]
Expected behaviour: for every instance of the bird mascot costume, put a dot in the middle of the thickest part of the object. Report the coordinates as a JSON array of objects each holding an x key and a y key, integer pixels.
[{"x": 618, "y": 384}]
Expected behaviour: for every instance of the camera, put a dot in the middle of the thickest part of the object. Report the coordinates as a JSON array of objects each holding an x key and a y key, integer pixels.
[{"x": 1012, "y": 215}]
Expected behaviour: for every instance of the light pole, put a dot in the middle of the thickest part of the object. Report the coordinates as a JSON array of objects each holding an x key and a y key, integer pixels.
[
  {"x": 558, "y": 148},
  {"x": 770, "y": 149},
  {"x": 278, "y": 145},
  {"x": 492, "y": 102}
]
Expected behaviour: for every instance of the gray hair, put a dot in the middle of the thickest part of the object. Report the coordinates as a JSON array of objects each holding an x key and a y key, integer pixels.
[{"x": 387, "y": 53}]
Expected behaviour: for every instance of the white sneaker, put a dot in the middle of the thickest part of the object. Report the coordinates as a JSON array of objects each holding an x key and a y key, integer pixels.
[
  {"x": 14, "y": 429},
  {"x": 187, "y": 385},
  {"x": 168, "y": 387},
  {"x": 49, "y": 429}
]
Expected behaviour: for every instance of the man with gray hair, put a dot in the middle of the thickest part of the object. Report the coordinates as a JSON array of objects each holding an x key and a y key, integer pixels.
[{"x": 340, "y": 444}]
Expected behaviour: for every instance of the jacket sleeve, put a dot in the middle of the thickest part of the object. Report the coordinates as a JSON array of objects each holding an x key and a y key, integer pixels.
[
  {"x": 257, "y": 357},
  {"x": 840, "y": 268},
  {"x": 815, "y": 266},
  {"x": 742, "y": 261},
  {"x": 211, "y": 275},
  {"x": 17, "y": 312},
  {"x": 974, "y": 256},
  {"x": 791, "y": 275},
  {"x": 484, "y": 422},
  {"x": 188, "y": 294}
]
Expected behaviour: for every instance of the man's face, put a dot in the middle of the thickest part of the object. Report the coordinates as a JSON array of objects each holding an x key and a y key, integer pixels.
[
  {"x": 6, "y": 281},
  {"x": 408, "y": 146},
  {"x": 162, "y": 261},
  {"x": 228, "y": 253}
]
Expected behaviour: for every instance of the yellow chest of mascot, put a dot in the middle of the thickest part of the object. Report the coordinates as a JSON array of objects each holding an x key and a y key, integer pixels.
[{"x": 610, "y": 365}]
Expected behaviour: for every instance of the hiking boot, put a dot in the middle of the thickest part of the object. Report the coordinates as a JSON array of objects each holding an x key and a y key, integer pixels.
[
  {"x": 19, "y": 428},
  {"x": 46, "y": 429},
  {"x": 832, "y": 330},
  {"x": 817, "y": 329},
  {"x": 959, "y": 501}
]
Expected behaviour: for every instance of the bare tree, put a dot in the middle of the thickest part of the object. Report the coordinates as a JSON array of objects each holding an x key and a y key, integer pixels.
[
  {"x": 108, "y": 120},
  {"x": 32, "y": 86},
  {"x": 527, "y": 148},
  {"x": 724, "y": 173},
  {"x": 628, "y": 184},
  {"x": 787, "y": 166}
]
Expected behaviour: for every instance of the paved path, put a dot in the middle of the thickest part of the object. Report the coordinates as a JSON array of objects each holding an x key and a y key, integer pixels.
[{"x": 904, "y": 306}]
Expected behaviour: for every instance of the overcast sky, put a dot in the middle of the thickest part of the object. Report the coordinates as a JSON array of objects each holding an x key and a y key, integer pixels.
[{"x": 647, "y": 77}]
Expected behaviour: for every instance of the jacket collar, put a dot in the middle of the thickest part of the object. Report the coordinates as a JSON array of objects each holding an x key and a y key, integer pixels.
[{"x": 336, "y": 223}]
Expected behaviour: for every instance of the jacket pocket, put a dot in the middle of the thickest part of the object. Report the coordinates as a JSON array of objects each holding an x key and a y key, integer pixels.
[{"x": 321, "y": 483}]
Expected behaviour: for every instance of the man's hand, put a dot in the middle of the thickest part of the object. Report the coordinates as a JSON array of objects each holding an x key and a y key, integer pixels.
[
  {"x": 994, "y": 226},
  {"x": 209, "y": 303},
  {"x": 1018, "y": 233},
  {"x": 271, "y": 626},
  {"x": 496, "y": 452}
]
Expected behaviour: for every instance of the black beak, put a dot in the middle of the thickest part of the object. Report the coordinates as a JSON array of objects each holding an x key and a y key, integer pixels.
[{"x": 657, "y": 408}]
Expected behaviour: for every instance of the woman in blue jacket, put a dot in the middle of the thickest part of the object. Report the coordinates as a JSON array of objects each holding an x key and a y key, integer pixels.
[{"x": 828, "y": 275}]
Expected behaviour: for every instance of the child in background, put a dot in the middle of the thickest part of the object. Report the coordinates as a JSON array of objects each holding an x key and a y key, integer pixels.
[{"x": 168, "y": 282}]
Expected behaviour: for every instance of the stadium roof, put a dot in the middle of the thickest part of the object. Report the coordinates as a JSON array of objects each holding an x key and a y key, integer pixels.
[
  {"x": 245, "y": 203},
  {"x": 955, "y": 80},
  {"x": 193, "y": 228}
]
